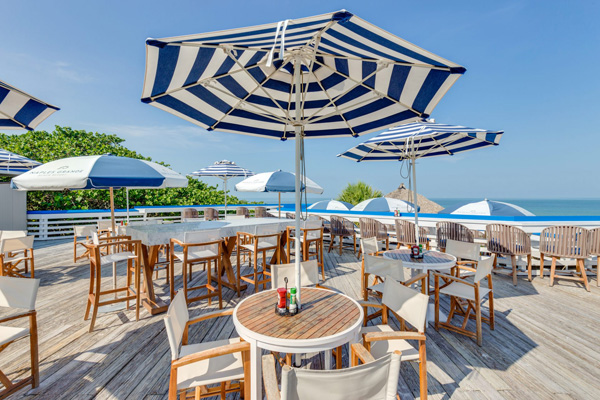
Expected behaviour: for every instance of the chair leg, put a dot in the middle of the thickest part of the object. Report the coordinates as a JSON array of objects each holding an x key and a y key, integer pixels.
[
  {"x": 137, "y": 280},
  {"x": 96, "y": 299},
  {"x": 341, "y": 244},
  {"x": 541, "y": 265},
  {"x": 529, "y": 267},
  {"x": 33, "y": 342},
  {"x": 478, "y": 321},
  {"x": 513, "y": 261},
  {"x": 219, "y": 282},
  {"x": 491, "y": 308},
  {"x": 552, "y": 271},
  {"x": 338, "y": 357},
  {"x": 422, "y": 370},
  {"x": 581, "y": 263},
  {"x": 90, "y": 293},
  {"x": 255, "y": 256},
  {"x": 332, "y": 239},
  {"x": 208, "y": 280}
]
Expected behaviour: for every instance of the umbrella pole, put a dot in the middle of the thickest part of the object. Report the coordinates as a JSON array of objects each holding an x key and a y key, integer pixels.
[
  {"x": 279, "y": 206},
  {"x": 415, "y": 206},
  {"x": 225, "y": 190},
  {"x": 298, "y": 139},
  {"x": 127, "y": 196},
  {"x": 112, "y": 212}
]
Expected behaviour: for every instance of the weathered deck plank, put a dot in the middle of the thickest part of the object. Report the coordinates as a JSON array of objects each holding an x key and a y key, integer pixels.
[{"x": 544, "y": 345}]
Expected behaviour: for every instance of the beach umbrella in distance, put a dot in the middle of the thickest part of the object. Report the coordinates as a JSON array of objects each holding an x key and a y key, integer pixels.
[
  {"x": 488, "y": 208},
  {"x": 419, "y": 140},
  {"x": 383, "y": 204},
  {"x": 224, "y": 169},
  {"x": 99, "y": 172},
  {"x": 331, "y": 205},
  {"x": 12, "y": 164},
  {"x": 330, "y": 75},
  {"x": 19, "y": 110},
  {"x": 277, "y": 181}
]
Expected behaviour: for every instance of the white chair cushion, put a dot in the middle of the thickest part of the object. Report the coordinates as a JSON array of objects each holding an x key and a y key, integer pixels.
[
  {"x": 193, "y": 255},
  {"x": 464, "y": 291},
  {"x": 214, "y": 370},
  {"x": 262, "y": 244},
  {"x": 116, "y": 257},
  {"x": 381, "y": 348},
  {"x": 10, "y": 333}
]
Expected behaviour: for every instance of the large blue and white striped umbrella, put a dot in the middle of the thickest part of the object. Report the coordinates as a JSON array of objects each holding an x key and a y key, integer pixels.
[
  {"x": 223, "y": 169},
  {"x": 422, "y": 139},
  {"x": 419, "y": 140},
  {"x": 19, "y": 110},
  {"x": 324, "y": 76},
  {"x": 12, "y": 164}
]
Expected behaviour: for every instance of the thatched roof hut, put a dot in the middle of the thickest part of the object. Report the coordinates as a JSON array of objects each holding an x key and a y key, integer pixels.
[{"x": 426, "y": 206}]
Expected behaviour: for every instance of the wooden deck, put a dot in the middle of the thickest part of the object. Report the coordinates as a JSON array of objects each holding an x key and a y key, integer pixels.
[{"x": 545, "y": 346}]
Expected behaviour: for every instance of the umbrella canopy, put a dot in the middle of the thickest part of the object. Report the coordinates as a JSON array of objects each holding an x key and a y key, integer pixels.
[
  {"x": 419, "y": 140},
  {"x": 425, "y": 205},
  {"x": 383, "y": 204},
  {"x": 99, "y": 172},
  {"x": 223, "y": 169},
  {"x": 19, "y": 110},
  {"x": 12, "y": 164},
  {"x": 329, "y": 75},
  {"x": 489, "y": 208},
  {"x": 276, "y": 181},
  {"x": 333, "y": 205}
]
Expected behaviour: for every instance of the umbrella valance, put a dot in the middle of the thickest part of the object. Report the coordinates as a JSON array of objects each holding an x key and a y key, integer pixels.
[{"x": 19, "y": 110}]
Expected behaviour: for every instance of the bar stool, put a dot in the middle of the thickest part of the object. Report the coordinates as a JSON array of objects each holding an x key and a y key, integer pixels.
[
  {"x": 568, "y": 242},
  {"x": 82, "y": 231},
  {"x": 200, "y": 247},
  {"x": 211, "y": 214},
  {"x": 311, "y": 233},
  {"x": 264, "y": 238},
  {"x": 133, "y": 256}
]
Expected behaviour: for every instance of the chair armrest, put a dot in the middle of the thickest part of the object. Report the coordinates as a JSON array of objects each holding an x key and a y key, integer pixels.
[
  {"x": 467, "y": 268},
  {"x": 177, "y": 241},
  {"x": 22, "y": 315},
  {"x": 270, "y": 377},
  {"x": 214, "y": 314},
  {"x": 369, "y": 304},
  {"x": 453, "y": 278},
  {"x": 378, "y": 336},
  {"x": 415, "y": 279},
  {"x": 358, "y": 351},
  {"x": 211, "y": 353},
  {"x": 267, "y": 235}
]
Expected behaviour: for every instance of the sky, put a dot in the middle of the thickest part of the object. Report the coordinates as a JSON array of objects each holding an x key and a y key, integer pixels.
[{"x": 531, "y": 72}]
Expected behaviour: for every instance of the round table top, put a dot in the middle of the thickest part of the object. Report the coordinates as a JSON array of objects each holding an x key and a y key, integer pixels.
[
  {"x": 431, "y": 259},
  {"x": 325, "y": 316}
]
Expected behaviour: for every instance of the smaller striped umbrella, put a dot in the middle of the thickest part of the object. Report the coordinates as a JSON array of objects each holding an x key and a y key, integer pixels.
[
  {"x": 277, "y": 181},
  {"x": 384, "y": 204},
  {"x": 332, "y": 205},
  {"x": 488, "y": 208},
  {"x": 224, "y": 169},
  {"x": 12, "y": 164},
  {"x": 19, "y": 110}
]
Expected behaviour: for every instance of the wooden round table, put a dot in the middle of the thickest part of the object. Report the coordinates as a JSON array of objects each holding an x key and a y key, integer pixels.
[
  {"x": 327, "y": 320},
  {"x": 432, "y": 260}
]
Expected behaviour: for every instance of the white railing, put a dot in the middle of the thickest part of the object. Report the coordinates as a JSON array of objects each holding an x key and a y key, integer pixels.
[{"x": 47, "y": 225}]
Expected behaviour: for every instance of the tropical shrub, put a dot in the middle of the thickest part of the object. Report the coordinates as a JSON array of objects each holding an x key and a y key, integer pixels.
[
  {"x": 354, "y": 193},
  {"x": 64, "y": 142}
]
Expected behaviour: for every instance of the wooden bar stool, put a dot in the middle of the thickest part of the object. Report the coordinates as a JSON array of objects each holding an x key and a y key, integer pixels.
[
  {"x": 200, "y": 247},
  {"x": 311, "y": 234},
  {"x": 16, "y": 257},
  {"x": 568, "y": 242},
  {"x": 507, "y": 240},
  {"x": 133, "y": 257},
  {"x": 82, "y": 234},
  {"x": 265, "y": 238}
]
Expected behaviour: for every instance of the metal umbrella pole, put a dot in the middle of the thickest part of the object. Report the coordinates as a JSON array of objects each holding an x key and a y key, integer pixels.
[{"x": 298, "y": 137}]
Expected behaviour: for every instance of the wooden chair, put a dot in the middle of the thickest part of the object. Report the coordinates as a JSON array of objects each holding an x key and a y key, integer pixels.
[
  {"x": 82, "y": 231},
  {"x": 375, "y": 379},
  {"x": 408, "y": 306},
  {"x": 16, "y": 252},
  {"x": 568, "y": 242},
  {"x": 104, "y": 228},
  {"x": 324, "y": 221},
  {"x": 405, "y": 234},
  {"x": 20, "y": 294},
  {"x": 195, "y": 366},
  {"x": 201, "y": 247},
  {"x": 594, "y": 249},
  {"x": 370, "y": 227},
  {"x": 260, "y": 212},
  {"x": 132, "y": 255},
  {"x": 510, "y": 241},
  {"x": 342, "y": 228},
  {"x": 290, "y": 215},
  {"x": 466, "y": 297},
  {"x": 189, "y": 213},
  {"x": 451, "y": 230},
  {"x": 211, "y": 214},
  {"x": 311, "y": 234},
  {"x": 242, "y": 211},
  {"x": 265, "y": 238}
]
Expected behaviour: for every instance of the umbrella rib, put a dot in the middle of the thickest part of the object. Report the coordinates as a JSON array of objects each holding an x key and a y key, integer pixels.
[
  {"x": 388, "y": 61},
  {"x": 371, "y": 89},
  {"x": 14, "y": 120}
]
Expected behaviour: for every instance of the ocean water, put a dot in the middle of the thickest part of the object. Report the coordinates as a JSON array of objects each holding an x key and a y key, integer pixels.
[{"x": 540, "y": 207}]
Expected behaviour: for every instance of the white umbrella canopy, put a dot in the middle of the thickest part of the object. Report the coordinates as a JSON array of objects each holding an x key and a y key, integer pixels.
[
  {"x": 223, "y": 169},
  {"x": 331, "y": 205},
  {"x": 99, "y": 172},
  {"x": 384, "y": 204},
  {"x": 488, "y": 208},
  {"x": 19, "y": 110},
  {"x": 324, "y": 76},
  {"x": 277, "y": 181}
]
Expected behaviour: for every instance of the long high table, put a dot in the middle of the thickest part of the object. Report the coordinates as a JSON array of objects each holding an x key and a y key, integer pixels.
[{"x": 154, "y": 236}]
